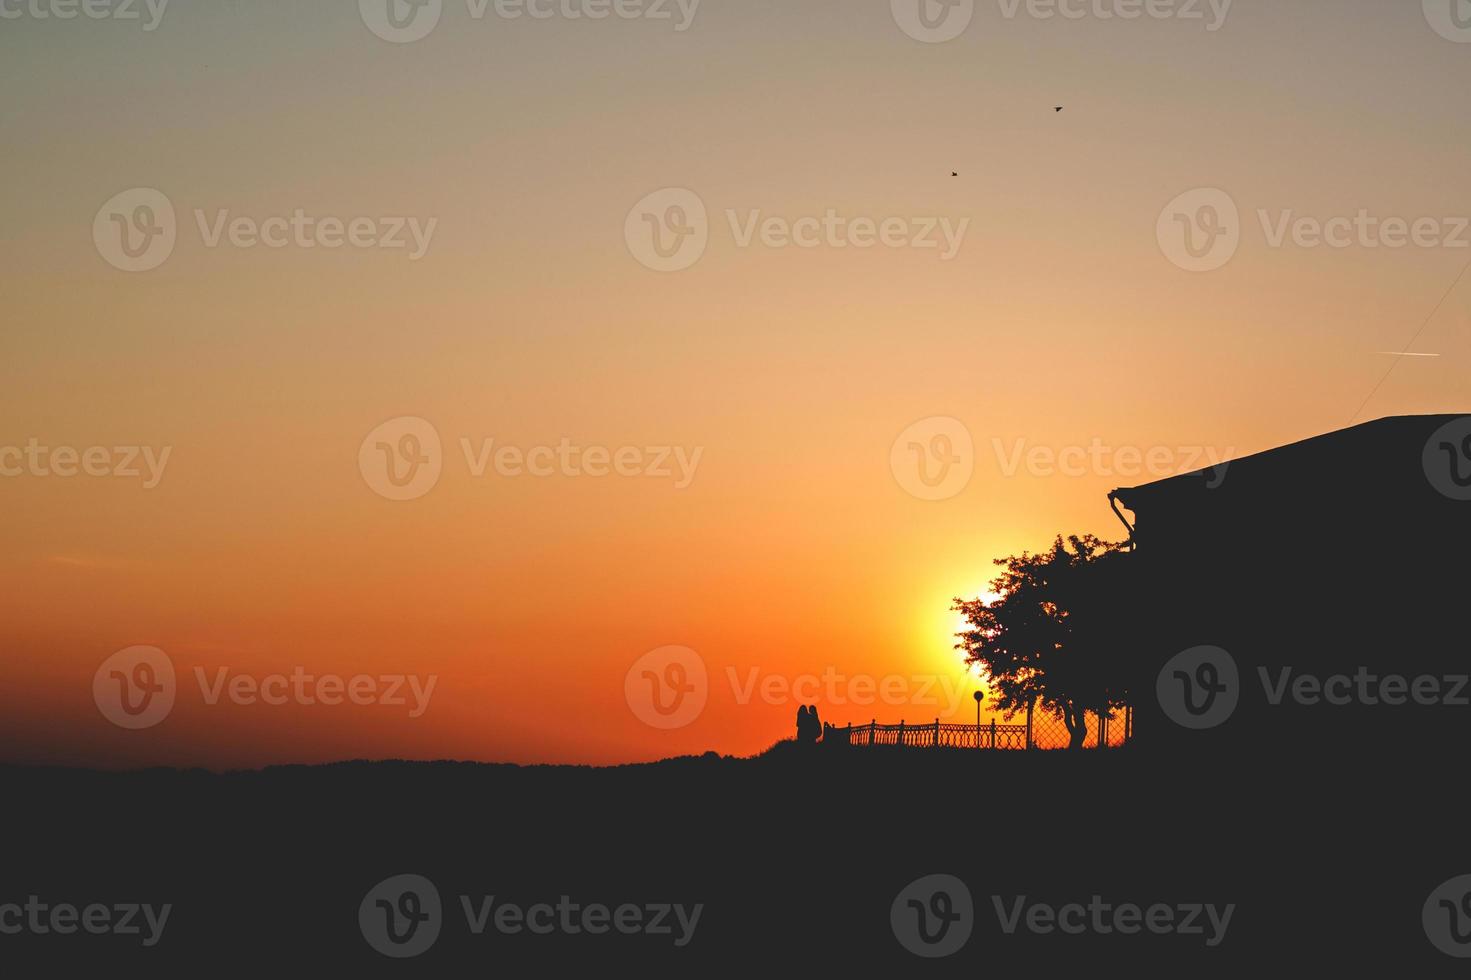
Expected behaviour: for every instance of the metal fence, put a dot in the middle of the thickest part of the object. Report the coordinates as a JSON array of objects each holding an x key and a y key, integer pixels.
[{"x": 1042, "y": 730}]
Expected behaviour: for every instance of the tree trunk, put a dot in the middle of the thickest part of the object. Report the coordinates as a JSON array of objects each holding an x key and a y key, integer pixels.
[{"x": 1076, "y": 720}]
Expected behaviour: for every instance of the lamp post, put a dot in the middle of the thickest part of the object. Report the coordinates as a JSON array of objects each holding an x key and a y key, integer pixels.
[{"x": 978, "y": 696}]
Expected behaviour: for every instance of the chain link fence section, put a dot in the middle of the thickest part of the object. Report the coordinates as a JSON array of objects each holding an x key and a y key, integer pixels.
[{"x": 1042, "y": 730}]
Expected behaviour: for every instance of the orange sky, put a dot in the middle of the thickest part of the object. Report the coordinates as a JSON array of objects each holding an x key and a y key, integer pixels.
[{"x": 794, "y": 549}]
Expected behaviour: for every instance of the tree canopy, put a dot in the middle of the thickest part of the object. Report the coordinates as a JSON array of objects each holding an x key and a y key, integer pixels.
[{"x": 1053, "y": 636}]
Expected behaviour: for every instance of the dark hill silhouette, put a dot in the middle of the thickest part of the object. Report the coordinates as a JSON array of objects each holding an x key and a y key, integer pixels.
[{"x": 795, "y": 850}]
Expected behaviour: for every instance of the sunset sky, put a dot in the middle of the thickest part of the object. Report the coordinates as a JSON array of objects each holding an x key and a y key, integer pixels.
[{"x": 795, "y": 548}]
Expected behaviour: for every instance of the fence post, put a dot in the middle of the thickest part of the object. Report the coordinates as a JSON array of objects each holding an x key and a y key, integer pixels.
[
  {"x": 848, "y": 739},
  {"x": 1029, "y": 724},
  {"x": 1128, "y": 723},
  {"x": 937, "y": 733},
  {"x": 993, "y": 733},
  {"x": 900, "y": 739},
  {"x": 1103, "y": 729},
  {"x": 871, "y": 726}
]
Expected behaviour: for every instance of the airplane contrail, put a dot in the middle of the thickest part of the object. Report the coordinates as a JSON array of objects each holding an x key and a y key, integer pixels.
[{"x": 1403, "y": 353}]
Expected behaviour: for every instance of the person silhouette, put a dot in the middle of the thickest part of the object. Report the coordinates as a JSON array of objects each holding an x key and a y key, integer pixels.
[{"x": 808, "y": 727}]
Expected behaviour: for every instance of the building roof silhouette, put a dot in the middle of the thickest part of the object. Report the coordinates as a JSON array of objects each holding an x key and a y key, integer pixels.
[{"x": 1376, "y": 470}]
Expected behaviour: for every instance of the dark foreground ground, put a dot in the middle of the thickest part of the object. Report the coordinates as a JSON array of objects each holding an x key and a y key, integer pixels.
[{"x": 796, "y": 859}]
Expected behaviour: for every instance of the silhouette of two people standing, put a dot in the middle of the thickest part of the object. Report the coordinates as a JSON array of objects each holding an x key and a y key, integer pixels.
[{"x": 809, "y": 728}]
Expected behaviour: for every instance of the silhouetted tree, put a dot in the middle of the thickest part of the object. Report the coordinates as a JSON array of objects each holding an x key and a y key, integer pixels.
[{"x": 1053, "y": 636}]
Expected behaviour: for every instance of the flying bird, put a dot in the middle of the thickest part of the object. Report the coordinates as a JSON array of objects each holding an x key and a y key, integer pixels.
[
  {"x": 1057, "y": 108},
  {"x": 954, "y": 174}
]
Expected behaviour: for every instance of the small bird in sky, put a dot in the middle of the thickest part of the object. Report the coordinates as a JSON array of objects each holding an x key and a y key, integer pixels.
[
  {"x": 1057, "y": 108},
  {"x": 954, "y": 174}
]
